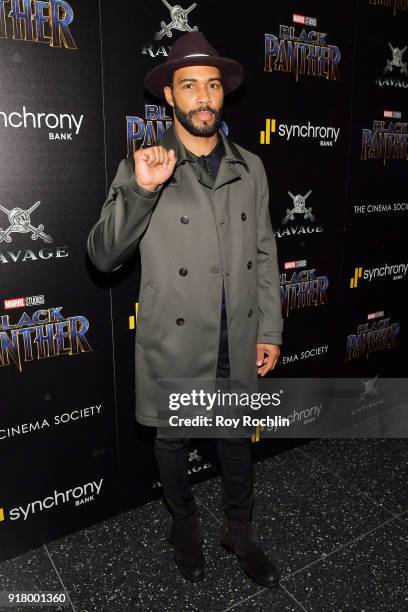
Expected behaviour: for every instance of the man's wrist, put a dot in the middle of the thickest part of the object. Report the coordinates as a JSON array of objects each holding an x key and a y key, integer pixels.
[
  {"x": 150, "y": 187},
  {"x": 141, "y": 191},
  {"x": 269, "y": 339}
]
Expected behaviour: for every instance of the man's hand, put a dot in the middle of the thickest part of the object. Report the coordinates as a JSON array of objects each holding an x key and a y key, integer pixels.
[
  {"x": 268, "y": 362},
  {"x": 153, "y": 166}
]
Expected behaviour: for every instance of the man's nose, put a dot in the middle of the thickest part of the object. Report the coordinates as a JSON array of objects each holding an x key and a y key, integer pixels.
[{"x": 203, "y": 95}]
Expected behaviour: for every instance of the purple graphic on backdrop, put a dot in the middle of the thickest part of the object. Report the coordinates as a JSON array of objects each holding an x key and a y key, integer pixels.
[{"x": 38, "y": 22}]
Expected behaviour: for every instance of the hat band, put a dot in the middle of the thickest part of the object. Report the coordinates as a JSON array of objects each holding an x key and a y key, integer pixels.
[{"x": 197, "y": 55}]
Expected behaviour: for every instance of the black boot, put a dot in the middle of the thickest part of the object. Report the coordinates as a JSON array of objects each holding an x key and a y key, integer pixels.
[
  {"x": 186, "y": 537},
  {"x": 240, "y": 538}
]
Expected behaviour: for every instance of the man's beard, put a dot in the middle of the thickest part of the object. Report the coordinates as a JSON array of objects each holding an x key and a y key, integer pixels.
[{"x": 186, "y": 120}]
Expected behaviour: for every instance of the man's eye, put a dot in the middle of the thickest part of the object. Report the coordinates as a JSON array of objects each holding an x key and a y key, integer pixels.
[{"x": 187, "y": 85}]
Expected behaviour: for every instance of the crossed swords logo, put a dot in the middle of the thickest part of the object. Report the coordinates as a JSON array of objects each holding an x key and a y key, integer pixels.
[
  {"x": 299, "y": 208},
  {"x": 194, "y": 456},
  {"x": 20, "y": 222},
  {"x": 178, "y": 21},
  {"x": 370, "y": 389},
  {"x": 396, "y": 60}
]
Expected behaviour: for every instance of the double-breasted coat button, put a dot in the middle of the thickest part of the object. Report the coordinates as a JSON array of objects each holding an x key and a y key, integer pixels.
[
  {"x": 184, "y": 219},
  {"x": 243, "y": 216},
  {"x": 180, "y": 321},
  {"x": 250, "y": 311},
  {"x": 183, "y": 271},
  {"x": 249, "y": 265}
]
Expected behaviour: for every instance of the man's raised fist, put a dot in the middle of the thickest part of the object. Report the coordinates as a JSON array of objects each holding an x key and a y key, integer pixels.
[{"x": 153, "y": 166}]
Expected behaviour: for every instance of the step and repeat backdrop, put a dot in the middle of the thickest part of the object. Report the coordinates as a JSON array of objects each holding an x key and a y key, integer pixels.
[{"x": 325, "y": 106}]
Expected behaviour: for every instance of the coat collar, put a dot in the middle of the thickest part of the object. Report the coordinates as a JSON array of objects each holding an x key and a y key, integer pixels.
[
  {"x": 232, "y": 154},
  {"x": 170, "y": 140}
]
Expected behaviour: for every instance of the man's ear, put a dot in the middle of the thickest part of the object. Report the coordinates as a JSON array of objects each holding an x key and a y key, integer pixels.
[{"x": 169, "y": 95}]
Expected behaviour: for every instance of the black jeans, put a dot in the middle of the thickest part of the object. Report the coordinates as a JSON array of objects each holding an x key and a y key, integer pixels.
[{"x": 235, "y": 456}]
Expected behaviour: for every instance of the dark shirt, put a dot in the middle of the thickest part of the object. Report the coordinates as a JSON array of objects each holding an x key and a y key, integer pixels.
[
  {"x": 207, "y": 170},
  {"x": 207, "y": 165}
]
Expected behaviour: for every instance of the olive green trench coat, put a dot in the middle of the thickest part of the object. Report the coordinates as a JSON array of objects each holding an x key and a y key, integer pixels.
[{"x": 191, "y": 239}]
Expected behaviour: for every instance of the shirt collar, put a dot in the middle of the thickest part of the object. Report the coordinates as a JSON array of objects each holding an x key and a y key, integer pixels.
[{"x": 218, "y": 150}]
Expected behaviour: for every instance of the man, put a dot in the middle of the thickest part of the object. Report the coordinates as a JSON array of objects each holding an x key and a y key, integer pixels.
[{"x": 196, "y": 205}]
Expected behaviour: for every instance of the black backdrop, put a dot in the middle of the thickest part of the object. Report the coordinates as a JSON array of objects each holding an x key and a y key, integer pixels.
[{"x": 72, "y": 105}]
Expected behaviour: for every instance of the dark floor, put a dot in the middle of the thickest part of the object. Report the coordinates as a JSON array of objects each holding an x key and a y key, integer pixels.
[{"x": 333, "y": 514}]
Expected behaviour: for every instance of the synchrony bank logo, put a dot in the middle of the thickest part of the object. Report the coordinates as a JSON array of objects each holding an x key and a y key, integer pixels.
[
  {"x": 77, "y": 496},
  {"x": 61, "y": 126},
  {"x": 394, "y": 271},
  {"x": 325, "y": 135}
]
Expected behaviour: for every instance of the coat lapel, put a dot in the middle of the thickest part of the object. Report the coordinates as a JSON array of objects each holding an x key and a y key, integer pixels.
[
  {"x": 232, "y": 163},
  {"x": 227, "y": 173}
]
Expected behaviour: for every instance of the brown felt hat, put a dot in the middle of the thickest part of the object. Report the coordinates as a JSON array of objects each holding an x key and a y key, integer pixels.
[{"x": 192, "y": 49}]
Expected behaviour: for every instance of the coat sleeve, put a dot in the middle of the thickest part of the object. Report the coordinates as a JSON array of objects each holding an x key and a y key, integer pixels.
[
  {"x": 270, "y": 322},
  {"x": 124, "y": 217}
]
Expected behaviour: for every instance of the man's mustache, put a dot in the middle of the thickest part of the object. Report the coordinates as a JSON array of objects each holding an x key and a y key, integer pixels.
[{"x": 204, "y": 110}]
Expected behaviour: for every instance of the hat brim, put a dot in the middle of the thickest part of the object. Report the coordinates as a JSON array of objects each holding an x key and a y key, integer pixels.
[{"x": 232, "y": 73}]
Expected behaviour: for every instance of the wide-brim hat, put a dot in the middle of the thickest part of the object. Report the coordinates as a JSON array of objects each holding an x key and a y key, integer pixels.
[{"x": 192, "y": 49}]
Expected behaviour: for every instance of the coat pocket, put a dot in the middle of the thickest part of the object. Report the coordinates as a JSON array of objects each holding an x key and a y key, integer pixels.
[{"x": 147, "y": 308}]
